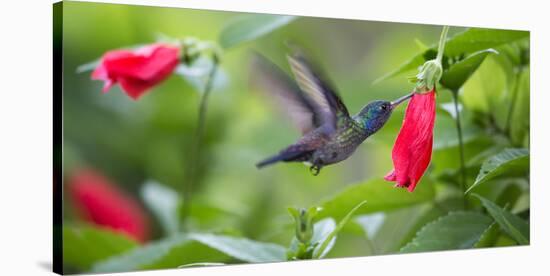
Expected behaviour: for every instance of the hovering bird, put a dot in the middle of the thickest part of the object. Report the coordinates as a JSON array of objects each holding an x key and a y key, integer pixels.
[{"x": 330, "y": 134}]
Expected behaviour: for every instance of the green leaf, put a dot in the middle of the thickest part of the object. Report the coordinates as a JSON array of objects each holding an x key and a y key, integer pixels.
[
  {"x": 489, "y": 237},
  {"x": 458, "y": 230},
  {"x": 510, "y": 162},
  {"x": 467, "y": 42},
  {"x": 421, "y": 45},
  {"x": 457, "y": 74},
  {"x": 483, "y": 91},
  {"x": 191, "y": 248},
  {"x": 389, "y": 238},
  {"x": 505, "y": 240},
  {"x": 409, "y": 65},
  {"x": 251, "y": 26},
  {"x": 164, "y": 203},
  {"x": 85, "y": 245},
  {"x": 380, "y": 194},
  {"x": 166, "y": 253},
  {"x": 514, "y": 226},
  {"x": 328, "y": 242},
  {"x": 476, "y": 39},
  {"x": 243, "y": 249}
]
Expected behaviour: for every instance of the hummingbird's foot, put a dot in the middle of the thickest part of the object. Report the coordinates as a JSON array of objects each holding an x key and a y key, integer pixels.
[{"x": 315, "y": 169}]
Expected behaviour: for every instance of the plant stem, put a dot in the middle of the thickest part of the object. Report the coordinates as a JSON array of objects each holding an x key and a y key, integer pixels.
[
  {"x": 460, "y": 144},
  {"x": 441, "y": 46},
  {"x": 195, "y": 153},
  {"x": 439, "y": 58}
]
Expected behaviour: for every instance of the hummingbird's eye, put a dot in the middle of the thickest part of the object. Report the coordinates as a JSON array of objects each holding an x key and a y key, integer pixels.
[{"x": 384, "y": 107}]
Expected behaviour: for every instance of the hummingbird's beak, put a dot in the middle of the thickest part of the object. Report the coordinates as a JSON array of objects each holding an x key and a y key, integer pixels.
[{"x": 395, "y": 103}]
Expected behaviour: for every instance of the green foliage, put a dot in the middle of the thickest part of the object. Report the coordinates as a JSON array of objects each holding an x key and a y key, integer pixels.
[
  {"x": 85, "y": 245},
  {"x": 192, "y": 248},
  {"x": 476, "y": 39},
  {"x": 379, "y": 195},
  {"x": 458, "y": 230},
  {"x": 484, "y": 90},
  {"x": 389, "y": 238},
  {"x": 514, "y": 226},
  {"x": 251, "y": 26},
  {"x": 166, "y": 253},
  {"x": 458, "y": 73},
  {"x": 320, "y": 239},
  {"x": 510, "y": 162},
  {"x": 243, "y": 249},
  {"x": 467, "y": 42},
  {"x": 489, "y": 237}
]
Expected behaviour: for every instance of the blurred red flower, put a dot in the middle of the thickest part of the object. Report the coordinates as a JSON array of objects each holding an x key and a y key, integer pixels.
[
  {"x": 412, "y": 150},
  {"x": 137, "y": 70},
  {"x": 99, "y": 201}
]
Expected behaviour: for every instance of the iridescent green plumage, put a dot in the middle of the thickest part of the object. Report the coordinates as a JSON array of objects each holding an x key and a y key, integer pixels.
[{"x": 330, "y": 134}]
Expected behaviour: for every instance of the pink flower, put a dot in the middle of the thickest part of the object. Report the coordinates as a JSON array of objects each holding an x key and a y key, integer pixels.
[
  {"x": 99, "y": 201},
  {"x": 412, "y": 150},
  {"x": 137, "y": 70}
]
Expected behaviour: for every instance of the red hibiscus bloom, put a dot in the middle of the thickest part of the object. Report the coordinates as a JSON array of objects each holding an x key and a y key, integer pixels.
[
  {"x": 412, "y": 150},
  {"x": 99, "y": 201},
  {"x": 137, "y": 70}
]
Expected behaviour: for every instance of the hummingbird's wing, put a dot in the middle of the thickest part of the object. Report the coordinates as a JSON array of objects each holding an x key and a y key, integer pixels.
[
  {"x": 269, "y": 77},
  {"x": 327, "y": 104}
]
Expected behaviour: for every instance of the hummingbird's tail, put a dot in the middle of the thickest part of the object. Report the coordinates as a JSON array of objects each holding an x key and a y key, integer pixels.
[
  {"x": 283, "y": 156},
  {"x": 268, "y": 161}
]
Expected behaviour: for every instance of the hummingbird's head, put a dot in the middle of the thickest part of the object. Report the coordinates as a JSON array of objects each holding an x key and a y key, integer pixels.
[{"x": 374, "y": 115}]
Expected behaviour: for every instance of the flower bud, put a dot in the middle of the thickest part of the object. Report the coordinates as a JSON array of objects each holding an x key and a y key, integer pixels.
[
  {"x": 304, "y": 222},
  {"x": 429, "y": 75}
]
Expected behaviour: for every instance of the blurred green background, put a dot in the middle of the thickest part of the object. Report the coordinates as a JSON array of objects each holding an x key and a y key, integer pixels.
[{"x": 149, "y": 139}]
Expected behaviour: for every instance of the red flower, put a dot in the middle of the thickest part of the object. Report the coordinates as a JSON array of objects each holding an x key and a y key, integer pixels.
[
  {"x": 412, "y": 150},
  {"x": 99, "y": 201},
  {"x": 137, "y": 70}
]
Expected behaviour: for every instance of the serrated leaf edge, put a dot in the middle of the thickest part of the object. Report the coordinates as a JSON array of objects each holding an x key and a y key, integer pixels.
[{"x": 434, "y": 222}]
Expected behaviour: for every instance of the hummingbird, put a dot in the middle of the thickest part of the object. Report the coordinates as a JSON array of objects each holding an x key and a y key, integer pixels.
[{"x": 329, "y": 133}]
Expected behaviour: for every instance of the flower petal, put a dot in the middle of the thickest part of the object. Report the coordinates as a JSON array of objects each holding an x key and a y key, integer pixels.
[
  {"x": 99, "y": 201},
  {"x": 137, "y": 71},
  {"x": 134, "y": 88},
  {"x": 412, "y": 150},
  {"x": 148, "y": 65}
]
